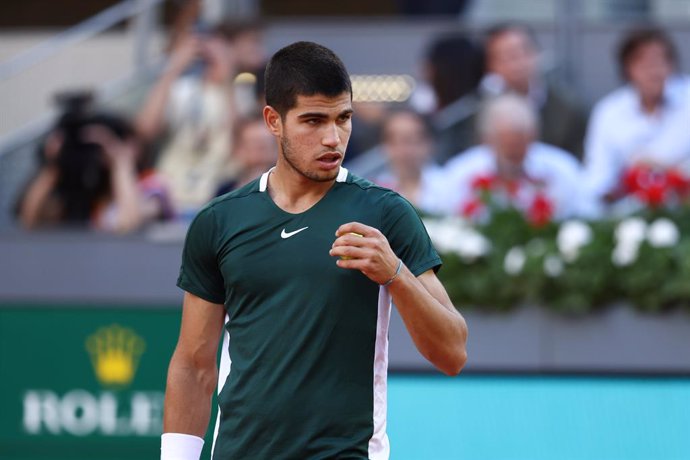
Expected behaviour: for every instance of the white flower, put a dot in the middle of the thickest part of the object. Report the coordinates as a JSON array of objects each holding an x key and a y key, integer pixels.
[
  {"x": 454, "y": 235},
  {"x": 572, "y": 236},
  {"x": 553, "y": 266},
  {"x": 625, "y": 254},
  {"x": 514, "y": 260},
  {"x": 443, "y": 233},
  {"x": 472, "y": 245},
  {"x": 663, "y": 233},
  {"x": 631, "y": 231}
]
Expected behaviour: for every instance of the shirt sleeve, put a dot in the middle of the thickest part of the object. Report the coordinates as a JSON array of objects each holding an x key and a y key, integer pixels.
[
  {"x": 200, "y": 274},
  {"x": 407, "y": 235},
  {"x": 601, "y": 165}
]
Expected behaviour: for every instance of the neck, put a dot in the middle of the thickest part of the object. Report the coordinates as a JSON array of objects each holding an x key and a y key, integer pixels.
[
  {"x": 650, "y": 104},
  {"x": 409, "y": 178},
  {"x": 292, "y": 191},
  {"x": 509, "y": 170}
]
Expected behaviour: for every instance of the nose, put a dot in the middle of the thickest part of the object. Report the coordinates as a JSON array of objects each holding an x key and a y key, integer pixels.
[{"x": 331, "y": 137}]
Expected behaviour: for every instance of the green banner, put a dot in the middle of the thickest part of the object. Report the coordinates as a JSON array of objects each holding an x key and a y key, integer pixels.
[{"x": 83, "y": 383}]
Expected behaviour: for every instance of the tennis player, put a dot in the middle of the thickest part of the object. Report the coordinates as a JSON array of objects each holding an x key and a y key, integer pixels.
[{"x": 296, "y": 271}]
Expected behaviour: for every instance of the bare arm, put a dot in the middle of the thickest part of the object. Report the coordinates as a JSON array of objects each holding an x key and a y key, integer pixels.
[
  {"x": 150, "y": 119},
  {"x": 193, "y": 372},
  {"x": 33, "y": 205},
  {"x": 32, "y": 209},
  {"x": 185, "y": 16},
  {"x": 438, "y": 330},
  {"x": 121, "y": 156}
]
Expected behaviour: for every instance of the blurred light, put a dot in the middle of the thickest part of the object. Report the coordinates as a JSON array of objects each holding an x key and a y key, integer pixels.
[
  {"x": 245, "y": 78},
  {"x": 381, "y": 88}
]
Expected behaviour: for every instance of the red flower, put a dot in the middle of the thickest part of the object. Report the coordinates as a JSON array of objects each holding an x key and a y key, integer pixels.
[
  {"x": 677, "y": 181},
  {"x": 483, "y": 183},
  {"x": 472, "y": 208},
  {"x": 654, "y": 194},
  {"x": 635, "y": 177},
  {"x": 540, "y": 211}
]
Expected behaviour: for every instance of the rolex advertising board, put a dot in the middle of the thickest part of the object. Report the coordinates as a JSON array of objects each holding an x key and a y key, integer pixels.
[{"x": 81, "y": 383}]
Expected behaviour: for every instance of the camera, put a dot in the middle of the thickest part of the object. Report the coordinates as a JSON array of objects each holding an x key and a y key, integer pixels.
[{"x": 84, "y": 175}]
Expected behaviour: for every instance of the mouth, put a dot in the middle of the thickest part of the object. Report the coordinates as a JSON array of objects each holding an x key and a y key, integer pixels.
[{"x": 329, "y": 160}]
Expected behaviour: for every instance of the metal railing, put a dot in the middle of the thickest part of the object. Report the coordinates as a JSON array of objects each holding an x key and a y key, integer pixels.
[
  {"x": 145, "y": 15},
  {"x": 144, "y": 12}
]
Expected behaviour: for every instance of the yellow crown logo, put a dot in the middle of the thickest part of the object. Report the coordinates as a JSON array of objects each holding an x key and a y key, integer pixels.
[{"x": 115, "y": 353}]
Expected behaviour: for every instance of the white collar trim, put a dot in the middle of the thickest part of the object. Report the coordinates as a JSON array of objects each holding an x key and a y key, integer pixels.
[
  {"x": 263, "y": 182},
  {"x": 342, "y": 175}
]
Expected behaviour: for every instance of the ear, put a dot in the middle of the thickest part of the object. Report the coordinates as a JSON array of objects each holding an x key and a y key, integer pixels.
[{"x": 273, "y": 121}]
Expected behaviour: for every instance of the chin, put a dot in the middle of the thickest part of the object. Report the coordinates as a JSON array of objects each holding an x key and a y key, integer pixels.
[
  {"x": 326, "y": 177},
  {"x": 322, "y": 176}
]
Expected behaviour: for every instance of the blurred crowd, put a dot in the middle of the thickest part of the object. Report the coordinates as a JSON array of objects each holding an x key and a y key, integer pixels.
[{"x": 486, "y": 119}]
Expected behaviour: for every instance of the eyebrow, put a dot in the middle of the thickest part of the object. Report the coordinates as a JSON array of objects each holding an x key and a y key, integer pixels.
[{"x": 323, "y": 115}]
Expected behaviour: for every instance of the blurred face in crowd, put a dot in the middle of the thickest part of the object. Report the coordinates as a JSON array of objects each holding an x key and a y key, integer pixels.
[
  {"x": 245, "y": 52},
  {"x": 215, "y": 51},
  {"x": 249, "y": 50},
  {"x": 313, "y": 135},
  {"x": 407, "y": 143},
  {"x": 513, "y": 56},
  {"x": 256, "y": 149},
  {"x": 648, "y": 68},
  {"x": 509, "y": 141}
]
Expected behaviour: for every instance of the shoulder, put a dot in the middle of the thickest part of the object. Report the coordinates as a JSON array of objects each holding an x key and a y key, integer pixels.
[
  {"x": 358, "y": 185},
  {"x": 678, "y": 90},
  {"x": 554, "y": 157},
  {"x": 472, "y": 159},
  {"x": 375, "y": 195},
  {"x": 235, "y": 196},
  {"x": 615, "y": 103}
]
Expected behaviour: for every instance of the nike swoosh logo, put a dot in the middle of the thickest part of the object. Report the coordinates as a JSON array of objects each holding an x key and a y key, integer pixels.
[{"x": 285, "y": 234}]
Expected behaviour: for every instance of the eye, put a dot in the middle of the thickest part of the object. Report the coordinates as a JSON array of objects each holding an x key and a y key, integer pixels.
[
  {"x": 312, "y": 121},
  {"x": 346, "y": 117}
]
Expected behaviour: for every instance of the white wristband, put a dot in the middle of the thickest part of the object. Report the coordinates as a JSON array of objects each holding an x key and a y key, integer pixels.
[{"x": 180, "y": 446}]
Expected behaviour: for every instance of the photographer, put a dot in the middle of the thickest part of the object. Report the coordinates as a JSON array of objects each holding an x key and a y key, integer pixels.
[{"x": 89, "y": 175}]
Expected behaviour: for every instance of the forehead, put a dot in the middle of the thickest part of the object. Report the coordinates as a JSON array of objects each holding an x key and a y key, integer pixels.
[
  {"x": 648, "y": 48},
  {"x": 319, "y": 103},
  {"x": 508, "y": 39},
  {"x": 402, "y": 123}
]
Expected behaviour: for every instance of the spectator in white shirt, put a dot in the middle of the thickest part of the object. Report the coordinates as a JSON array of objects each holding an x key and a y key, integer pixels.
[
  {"x": 645, "y": 121},
  {"x": 411, "y": 171},
  {"x": 539, "y": 179}
]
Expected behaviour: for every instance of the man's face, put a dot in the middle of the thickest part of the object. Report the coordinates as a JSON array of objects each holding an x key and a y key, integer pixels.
[
  {"x": 314, "y": 134},
  {"x": 648, "y": 68},
  {"x": 509, "y": 142},
  {"x": 406, "y": 141},
  {"x": 512, "y": 56},
  {"x": 249, "y": 51}
]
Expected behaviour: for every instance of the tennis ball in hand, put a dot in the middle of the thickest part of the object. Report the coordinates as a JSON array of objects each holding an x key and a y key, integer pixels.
[{"x": 347, "y": 257}]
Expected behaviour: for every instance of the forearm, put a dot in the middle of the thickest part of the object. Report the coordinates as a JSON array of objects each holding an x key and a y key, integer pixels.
[
  {"x": 188, "y": 397},
  {"x": 126, "y": 196},
  {"x": 36, "y": 196},
  {"x": 149, "y": 120},
  {"x": 437, "y": 329}
]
